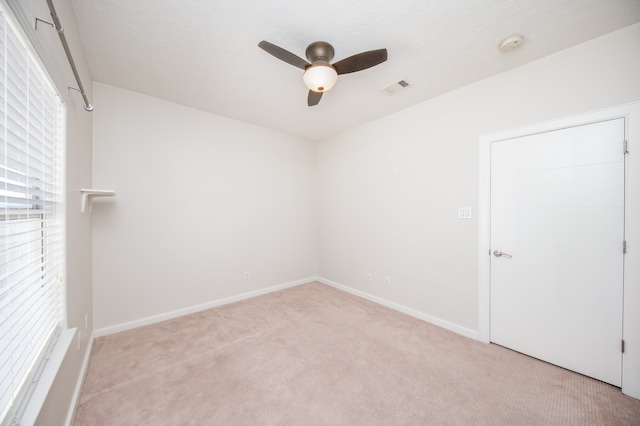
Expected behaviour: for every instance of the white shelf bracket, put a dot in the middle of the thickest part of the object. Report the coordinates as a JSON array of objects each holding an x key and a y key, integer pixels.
[{"x": 88, "y": 194}]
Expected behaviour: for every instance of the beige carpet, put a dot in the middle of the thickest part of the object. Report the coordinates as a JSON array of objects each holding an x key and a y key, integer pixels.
[{"x": 314, "y": 355}]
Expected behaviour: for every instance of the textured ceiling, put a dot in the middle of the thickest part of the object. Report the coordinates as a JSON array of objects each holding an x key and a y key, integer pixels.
[{"x": 204, "y": 53}]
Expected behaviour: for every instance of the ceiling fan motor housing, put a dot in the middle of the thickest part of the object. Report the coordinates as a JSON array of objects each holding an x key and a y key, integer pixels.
[{"x": 320, "y": 51}]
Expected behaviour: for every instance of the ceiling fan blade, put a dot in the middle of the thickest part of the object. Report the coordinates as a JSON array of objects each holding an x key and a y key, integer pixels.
[
  {"x": 313, "y": 98},
  {"x": 283, "y": 55},
  {"x": 361, "y": 61}
]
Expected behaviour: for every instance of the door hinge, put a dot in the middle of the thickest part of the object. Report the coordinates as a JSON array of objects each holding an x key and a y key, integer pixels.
[
  {"x": 625, "y": 147},
  {"x": 624, "y": 247},
  {"x": 622, "y": 346}
]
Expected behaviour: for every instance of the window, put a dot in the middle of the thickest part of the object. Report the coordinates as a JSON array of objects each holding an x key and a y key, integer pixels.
[{"x": 31, "y": 216}]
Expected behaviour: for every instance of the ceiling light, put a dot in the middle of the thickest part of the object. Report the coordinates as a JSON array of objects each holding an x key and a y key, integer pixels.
[{"x": 320, "y": 77}]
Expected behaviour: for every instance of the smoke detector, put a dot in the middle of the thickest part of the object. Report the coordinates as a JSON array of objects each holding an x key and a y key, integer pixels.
[{"x": 510, "y": 43}]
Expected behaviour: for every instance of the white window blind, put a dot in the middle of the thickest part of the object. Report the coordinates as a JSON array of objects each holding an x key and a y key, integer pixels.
[{"x": 31, "y": 216}]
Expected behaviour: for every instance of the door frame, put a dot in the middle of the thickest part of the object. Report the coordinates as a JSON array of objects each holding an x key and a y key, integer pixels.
[{"x": 631, "y": 273}]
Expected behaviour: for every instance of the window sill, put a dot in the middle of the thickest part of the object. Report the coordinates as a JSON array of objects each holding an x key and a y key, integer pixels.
[{"x": 48, "y": 376}]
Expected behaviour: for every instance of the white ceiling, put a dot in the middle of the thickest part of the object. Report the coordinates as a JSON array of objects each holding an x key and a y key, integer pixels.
[{"x": 204, "y": 53}]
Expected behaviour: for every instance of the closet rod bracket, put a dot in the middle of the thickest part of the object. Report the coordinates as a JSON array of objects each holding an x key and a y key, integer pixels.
[{"x": 88, "y": 194}]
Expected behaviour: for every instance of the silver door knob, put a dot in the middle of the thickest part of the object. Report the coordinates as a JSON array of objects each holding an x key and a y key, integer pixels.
[{"x": 498, "y": 253}]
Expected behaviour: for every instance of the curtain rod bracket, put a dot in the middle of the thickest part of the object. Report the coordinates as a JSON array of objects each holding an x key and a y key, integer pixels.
[
  {"x": 87, "y": 106},
  {"x": 44, "y": 22}
]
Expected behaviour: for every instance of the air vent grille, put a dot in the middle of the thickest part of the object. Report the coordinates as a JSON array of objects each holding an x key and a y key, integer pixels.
[{"x": 396, "y": 87}]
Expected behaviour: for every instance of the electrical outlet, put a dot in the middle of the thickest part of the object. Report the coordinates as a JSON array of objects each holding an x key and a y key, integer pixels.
[
  {"x": 247, "y": 275},
  {"x": 464, "y": 213},
  {"x": 387, "y": 282},
  {"x": 369, "y": 276}
]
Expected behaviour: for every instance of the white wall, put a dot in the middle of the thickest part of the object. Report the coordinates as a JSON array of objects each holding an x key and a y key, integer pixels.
[
  {"x": 79, "y": 297},
  {"x": 200, "y": 199},
  {"x": 389, "y": 191}
]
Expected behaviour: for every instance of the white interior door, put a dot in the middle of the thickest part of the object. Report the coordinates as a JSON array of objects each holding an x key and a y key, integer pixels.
[{"x": 557, "y": 214}]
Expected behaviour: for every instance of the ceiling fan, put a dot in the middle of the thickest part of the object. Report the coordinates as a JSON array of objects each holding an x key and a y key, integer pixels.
[{"x": 319, "y": 74}]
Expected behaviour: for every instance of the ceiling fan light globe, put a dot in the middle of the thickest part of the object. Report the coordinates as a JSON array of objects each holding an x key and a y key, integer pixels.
[{"x": 320, "y": 78}]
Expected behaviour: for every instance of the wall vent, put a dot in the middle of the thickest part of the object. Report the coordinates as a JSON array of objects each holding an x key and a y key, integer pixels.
[{"x": 396, "y": 87}]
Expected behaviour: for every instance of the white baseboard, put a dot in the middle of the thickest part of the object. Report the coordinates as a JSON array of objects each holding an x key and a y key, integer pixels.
[
  {"x": 197, "y": 308},
  {"x": 79, "y": 384},
  {"x": 212, "y": 304},
  {"x": 400, "y": 308}
]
